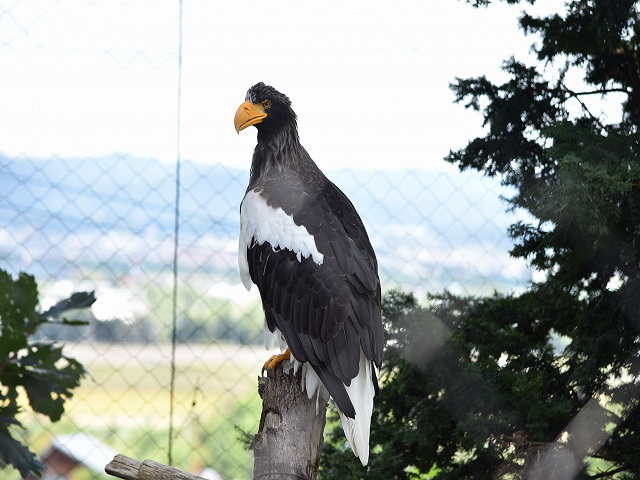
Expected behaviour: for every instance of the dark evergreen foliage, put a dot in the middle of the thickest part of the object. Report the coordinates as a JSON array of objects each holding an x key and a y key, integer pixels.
[{"x": 540, "y": 384}]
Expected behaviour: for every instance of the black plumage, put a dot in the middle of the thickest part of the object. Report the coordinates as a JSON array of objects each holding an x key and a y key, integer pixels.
[{"x": 328, "y": 311}]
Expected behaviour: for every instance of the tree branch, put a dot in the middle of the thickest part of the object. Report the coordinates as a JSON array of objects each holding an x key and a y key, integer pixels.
[
  {"x": 130, "y": 469},
  {"x": 288, "y": 443},
  {"x": 577, "y": 96},
  {"x": 595, "y": 92}
]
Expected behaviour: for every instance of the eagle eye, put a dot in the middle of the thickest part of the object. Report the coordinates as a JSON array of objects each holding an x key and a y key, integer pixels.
[{"x": 266, "y": 104}]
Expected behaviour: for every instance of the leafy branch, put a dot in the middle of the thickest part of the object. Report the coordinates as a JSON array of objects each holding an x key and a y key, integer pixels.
[{"x": 40, "y": 369}]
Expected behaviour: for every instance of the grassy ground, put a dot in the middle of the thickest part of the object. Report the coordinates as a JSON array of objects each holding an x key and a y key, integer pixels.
[
  {"x": 132, "y": 381},
  {"x": 125, "y": 403}
]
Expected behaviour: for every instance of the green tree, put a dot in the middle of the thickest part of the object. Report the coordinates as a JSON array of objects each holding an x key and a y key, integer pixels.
[
  {"x": 542, "y": 384},
  {"x": 577, "y": 173},
  {"x": 40, "y": 369}
]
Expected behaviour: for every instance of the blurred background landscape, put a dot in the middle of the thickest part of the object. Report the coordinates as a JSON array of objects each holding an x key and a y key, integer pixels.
[
  {"x": 107, "y": 224},
  {"x": 98, "y": 103}
]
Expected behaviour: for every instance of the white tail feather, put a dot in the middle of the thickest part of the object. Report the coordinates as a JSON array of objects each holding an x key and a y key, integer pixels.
[
  {"x": 311, "y": 381},
  {"x": 270, "y": 337},
  {"x": 361, "y": 393}
]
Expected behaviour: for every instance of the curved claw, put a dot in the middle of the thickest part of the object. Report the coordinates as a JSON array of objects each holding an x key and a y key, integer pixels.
[{"x": 273, "y": 362}]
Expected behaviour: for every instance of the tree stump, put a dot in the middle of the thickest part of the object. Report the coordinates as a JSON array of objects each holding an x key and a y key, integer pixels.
[{"x": 289, "y": 439}]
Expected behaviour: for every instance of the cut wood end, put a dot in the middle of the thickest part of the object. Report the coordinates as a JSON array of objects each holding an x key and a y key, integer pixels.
[{"x": 123, "y": 467}]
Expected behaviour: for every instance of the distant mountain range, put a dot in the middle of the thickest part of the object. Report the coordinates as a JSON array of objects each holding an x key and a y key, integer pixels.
[{"x": 115, "y": 216}]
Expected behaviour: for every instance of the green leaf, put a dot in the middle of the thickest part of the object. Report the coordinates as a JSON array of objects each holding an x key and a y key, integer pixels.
[
  {"x": 44, "y": 396},
  {"x": 47, "y": 376},
  {"x": 47, "y": 385},
  {"x": 14, "y": 453},
  {"x": 18, "y": 301},
  {"x": 74, "y": 302}
]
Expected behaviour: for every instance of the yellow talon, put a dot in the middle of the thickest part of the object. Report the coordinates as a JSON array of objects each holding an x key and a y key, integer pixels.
[{"x": 273, "y": 362}]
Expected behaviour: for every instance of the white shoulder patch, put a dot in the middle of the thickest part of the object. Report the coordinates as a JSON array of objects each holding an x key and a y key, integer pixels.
[
  {"x": 261, "y": 223},
  {"x": 243, "y": 263}
]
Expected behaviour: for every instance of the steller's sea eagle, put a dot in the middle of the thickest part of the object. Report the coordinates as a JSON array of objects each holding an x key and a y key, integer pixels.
[{"x": 305, "y": 247}]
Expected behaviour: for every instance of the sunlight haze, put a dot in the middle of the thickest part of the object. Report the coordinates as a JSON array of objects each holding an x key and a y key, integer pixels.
[{"x": 368, "y": 80}]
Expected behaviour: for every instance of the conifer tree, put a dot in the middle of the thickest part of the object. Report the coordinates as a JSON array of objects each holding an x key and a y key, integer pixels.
[{"x": 545, "y": 383}]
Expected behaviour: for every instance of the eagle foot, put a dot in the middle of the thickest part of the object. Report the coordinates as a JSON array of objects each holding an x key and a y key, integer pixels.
[{"x": 273, "y": 362}]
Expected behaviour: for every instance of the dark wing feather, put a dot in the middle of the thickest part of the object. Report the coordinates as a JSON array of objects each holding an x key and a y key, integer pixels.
[{"x": 326, "y": 312}]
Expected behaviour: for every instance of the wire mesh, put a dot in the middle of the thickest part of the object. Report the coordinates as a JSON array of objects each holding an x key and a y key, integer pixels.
[{"x": 105, "y": 222}]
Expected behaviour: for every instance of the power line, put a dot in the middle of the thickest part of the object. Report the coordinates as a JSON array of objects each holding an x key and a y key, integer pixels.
[{"x": 174, "y": 326}]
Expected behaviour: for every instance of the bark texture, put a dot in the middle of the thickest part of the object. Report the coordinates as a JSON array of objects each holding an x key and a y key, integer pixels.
[
  {"x": 130, "y": 469},
  {"x": 289, "y": 439}
]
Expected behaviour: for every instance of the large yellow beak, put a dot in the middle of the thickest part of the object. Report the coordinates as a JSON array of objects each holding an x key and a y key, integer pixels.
[{"x": 248, "y": 114}]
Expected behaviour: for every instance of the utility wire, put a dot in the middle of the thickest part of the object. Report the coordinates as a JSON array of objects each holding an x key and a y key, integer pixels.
[{"x": 176, "y": 232}]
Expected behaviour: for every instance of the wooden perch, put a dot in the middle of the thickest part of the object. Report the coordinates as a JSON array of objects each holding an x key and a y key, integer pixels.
[
  {"x": 289, "y": 439},
  {"x": 288, "y": 443},
  {"x": 130, "y": 469}
]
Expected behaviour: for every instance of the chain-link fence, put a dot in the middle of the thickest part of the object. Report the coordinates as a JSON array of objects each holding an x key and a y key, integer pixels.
[{"x": 107, "y": 222}]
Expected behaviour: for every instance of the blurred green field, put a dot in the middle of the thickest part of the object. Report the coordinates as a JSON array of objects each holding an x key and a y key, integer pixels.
[
  {"x": 132, "y": 381},
  {"x": 125, "y": 402}
]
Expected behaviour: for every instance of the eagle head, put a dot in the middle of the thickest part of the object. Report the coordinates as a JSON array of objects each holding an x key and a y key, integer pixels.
[{"x": 265, "y": 108}]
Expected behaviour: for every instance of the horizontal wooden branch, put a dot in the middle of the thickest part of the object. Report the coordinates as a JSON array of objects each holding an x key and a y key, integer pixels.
[
  {"x": 130, "y": 469},
  {"x": 288, "y": 443}
]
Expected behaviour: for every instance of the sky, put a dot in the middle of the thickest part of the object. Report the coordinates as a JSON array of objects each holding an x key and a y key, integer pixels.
[{"x": 368, "y": 80}]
